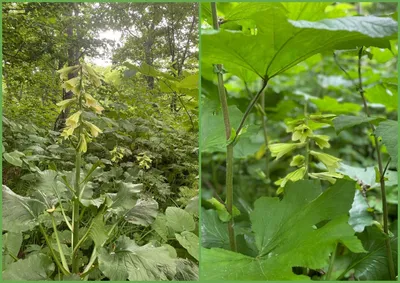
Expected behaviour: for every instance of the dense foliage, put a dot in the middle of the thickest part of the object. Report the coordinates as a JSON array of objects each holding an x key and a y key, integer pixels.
[
  {"x": 100, "y": 162},
  {"x": 299, "y": 136}
]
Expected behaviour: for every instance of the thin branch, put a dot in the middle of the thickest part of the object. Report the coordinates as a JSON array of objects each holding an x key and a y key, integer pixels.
[{"x": 249, "y": 108}]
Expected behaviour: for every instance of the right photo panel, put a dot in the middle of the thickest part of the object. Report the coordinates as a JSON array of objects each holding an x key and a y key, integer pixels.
[{"x": 299, "y": 141}]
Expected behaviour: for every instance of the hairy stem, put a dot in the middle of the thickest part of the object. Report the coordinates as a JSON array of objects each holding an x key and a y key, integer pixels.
[
  {"x": 229, "y": 148},
  {"x": 381, "y": 172}
]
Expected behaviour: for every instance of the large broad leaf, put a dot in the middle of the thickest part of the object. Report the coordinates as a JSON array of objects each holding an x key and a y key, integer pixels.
[
  {"x": 290, "y": 233},
  {"x": 36, "y": 267},
  {"x": 143, "y": 213},
  {"x": 125, "y": 199},
  {"x": 281, "y": 43},
  {"x": 186, "y": 270},
  {"x": 20, "y": 213},
  {"x": 190, "y": 242},
  {"x": 179, "y": 220},
  {"x": 389, "y": 130},
  {"x": 214, "y": 233},
  {"x": 344, "y": 122},
  {"x": 128, "y": 261},
  {"x": 373, "y": 265}
]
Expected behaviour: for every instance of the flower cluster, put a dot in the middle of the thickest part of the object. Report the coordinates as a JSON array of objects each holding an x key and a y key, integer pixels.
[
  {"x": 303, "y": 136},
  {"x": 81, "y": 101}
]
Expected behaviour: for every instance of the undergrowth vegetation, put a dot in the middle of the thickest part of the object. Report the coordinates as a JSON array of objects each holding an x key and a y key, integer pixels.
[
  {"x": 299, "y": 141},
  {"x": 100, "y": 171}
]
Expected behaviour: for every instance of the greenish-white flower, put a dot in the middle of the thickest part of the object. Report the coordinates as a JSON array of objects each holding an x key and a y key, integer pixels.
[
  {"x": 301, "y": 133},
  {"x": 327, "y": 176},
  {"x": 280, "y": 149},
  {"x": 331, "y": 162},
  {"x": 297, "y": 160},
  {"x": 292, "y": 176},
  {"x": 94, "y": 130},
  {"x": 322, "y": 141}
]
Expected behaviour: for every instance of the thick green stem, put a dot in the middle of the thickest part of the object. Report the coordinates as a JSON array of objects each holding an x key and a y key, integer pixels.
[
  {"x": 75, "y": 214},
  {"x": 381, "y": 172},
  {"x": 229, "y": 147},
  {"x": 264, "y": 126},
  {"x": 229, "y": 194},
  {"x": 77, "y": 187}
]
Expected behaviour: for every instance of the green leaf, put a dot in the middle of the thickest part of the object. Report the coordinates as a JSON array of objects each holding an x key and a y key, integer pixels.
[
  {"x": 373, "y": 265},
  {"x": 125, "y": 199},
  {"x": 11, "y": 245},
  {"x": 179, "y": 220},
  {"x": 143, "y": 213},
  {"x": 213, "y": 132},
  {"x": 160, "y": 226},
  {"x": 128, "y": 261},
  {"x": 367, "y": 175},
  {"x": 289, "y": 233},
  {"x": 389, "y": 130},
  {"x": 331, "y": 105},
  {"x": 343, "y": 122},
  {"x": 189, "y": 82},
  {"x": 97, "y": 231},
  {"x": 385, "y": 94},
  {"x": 280, "y": 43},
  {"x": 214, "y": 233},
  {"x": 359, "y": 215},
  {"x": 14, "y": 157},
  {"x": 36, "y": 267},
  {"x": 190, "y": 242},
  {"x": 20, "y": 213}
]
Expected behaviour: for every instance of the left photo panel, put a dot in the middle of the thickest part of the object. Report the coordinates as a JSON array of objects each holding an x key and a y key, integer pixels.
[{"x": 100, "y": 147}]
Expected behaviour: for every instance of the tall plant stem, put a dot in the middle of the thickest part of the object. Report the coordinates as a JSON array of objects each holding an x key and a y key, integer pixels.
[
  {"x": 381, "y": 172},
  {"x": 77, "y": 187},
  {"x": 229, "y": 147}
]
